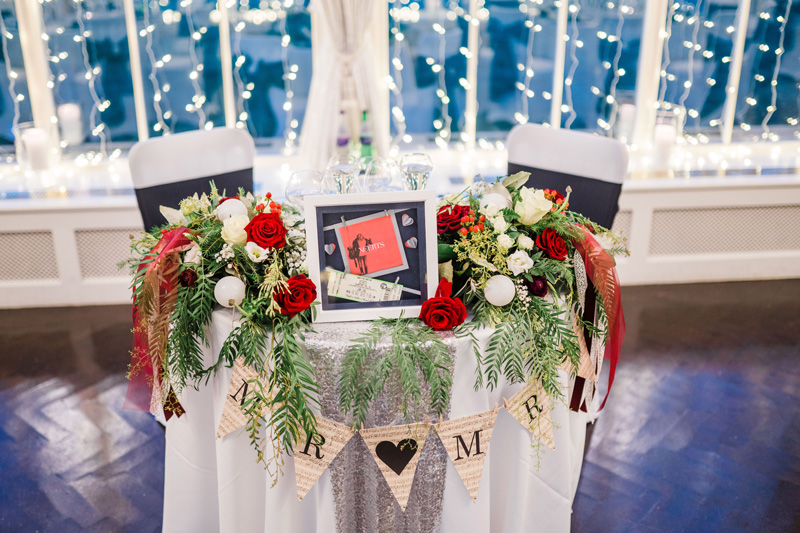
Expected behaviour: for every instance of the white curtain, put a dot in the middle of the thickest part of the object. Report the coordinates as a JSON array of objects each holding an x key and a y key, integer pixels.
[{"x": 347, "y": 76}]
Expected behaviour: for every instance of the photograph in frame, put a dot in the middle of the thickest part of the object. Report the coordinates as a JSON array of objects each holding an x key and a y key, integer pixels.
[{"x": 370, "y": 255}]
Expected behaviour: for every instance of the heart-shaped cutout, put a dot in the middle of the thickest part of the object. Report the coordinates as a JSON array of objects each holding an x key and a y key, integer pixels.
[
  {"x": 411, "y": 243},
  {"x": 396, "y": 456},
  {"x": 406, "y": 220},
  {"x": 330, "y": 248}
]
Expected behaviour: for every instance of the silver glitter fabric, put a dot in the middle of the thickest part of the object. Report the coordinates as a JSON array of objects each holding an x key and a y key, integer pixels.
[
  {"x": 362, "y": 498},
  {"x": 580, "y": 278}
]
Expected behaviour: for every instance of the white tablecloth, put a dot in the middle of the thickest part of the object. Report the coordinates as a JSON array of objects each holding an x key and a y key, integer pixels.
[{"x": 216, "y": 485}]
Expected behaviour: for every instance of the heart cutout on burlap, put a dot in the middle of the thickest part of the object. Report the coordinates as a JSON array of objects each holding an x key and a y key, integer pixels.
[
  {"x": 329, "y": 248},
  {"x": 406, "y": 220},
  {"x": 396, "y": 456},
  {"x": 411, "y": 243}
]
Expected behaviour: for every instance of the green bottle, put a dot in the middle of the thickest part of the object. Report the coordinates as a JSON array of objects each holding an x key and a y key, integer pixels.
[{"x": 365, "y": 135}]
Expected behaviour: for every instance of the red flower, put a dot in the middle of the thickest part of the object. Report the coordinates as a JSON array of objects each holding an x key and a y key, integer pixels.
[
  {"x": 538, "y": 286},
  {"x": 449, "y": 217},
  {"x": 227, "y": 198},
  {"x": 266, "y": 230},
  {"x": 297, "y": 296},
  {"x": 443, "y": 312},
  {"x": 188, "y": 278},
  {"x": 552, "y": 244}
]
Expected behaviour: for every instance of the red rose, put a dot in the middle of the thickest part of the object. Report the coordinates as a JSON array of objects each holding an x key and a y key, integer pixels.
[
  {"x": 443, "y": 312},
  {"x": 266, "y": 230},
  {"x": 449, "y": 218},
  {"x": 552, "y": 244},
  {"x": 297, "y": 296}
]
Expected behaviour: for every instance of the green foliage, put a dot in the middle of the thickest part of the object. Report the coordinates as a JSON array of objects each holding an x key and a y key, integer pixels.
[{"x": 417, "y": 356}]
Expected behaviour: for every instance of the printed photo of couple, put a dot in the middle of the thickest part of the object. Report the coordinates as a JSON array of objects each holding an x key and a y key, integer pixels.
[{"x": 372, "y": 246}]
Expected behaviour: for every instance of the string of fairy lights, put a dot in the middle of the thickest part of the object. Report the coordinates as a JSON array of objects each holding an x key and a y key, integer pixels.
[
  {"x": 617, "y": 72},
  {"x": 159, "y": 92},
  {"x": 574, "y": 43},
  {"x": 96, "y": 125},
  {"x": 10, "y": 72},
  {"x": 444, "y": 23}
]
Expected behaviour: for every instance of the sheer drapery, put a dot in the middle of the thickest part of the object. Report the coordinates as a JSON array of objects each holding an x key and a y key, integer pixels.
[{"x": 346, "y": 76}]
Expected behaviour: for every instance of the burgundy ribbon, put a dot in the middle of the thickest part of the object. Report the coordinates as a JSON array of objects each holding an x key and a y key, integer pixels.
[
  {"x": 144, "y": 376},
  {"x": 600, "y": 268}
]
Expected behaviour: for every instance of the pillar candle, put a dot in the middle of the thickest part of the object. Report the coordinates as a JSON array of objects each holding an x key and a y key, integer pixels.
[{"x": 69, "y": 118}]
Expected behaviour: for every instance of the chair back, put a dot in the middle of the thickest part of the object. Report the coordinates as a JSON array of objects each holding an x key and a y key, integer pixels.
[
  {"x": 165, "y": 170},
  {"x": 593, "y": 166}
]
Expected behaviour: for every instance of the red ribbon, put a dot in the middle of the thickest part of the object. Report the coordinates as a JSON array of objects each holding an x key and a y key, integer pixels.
[
  {"x": 600, "y": 268},
  {"x": 144, "y": 377}
]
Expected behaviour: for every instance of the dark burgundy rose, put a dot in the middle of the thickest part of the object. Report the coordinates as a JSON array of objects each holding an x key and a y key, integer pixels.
[
  {"x": 266, "y": 230},
  {"x": 552, "y": 244},
  {"x": 448, "y": 219},
  {"x": 297, "y": 296},
  {"x": 443, "y": 312},
  {"x": 538, "y": 286},
  {"x": 188, "y": 278}
]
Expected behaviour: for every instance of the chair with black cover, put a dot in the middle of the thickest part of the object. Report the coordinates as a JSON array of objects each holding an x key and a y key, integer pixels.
[
  {"x": 165, "y": 170},
  {"x": 593, "y": 166}
]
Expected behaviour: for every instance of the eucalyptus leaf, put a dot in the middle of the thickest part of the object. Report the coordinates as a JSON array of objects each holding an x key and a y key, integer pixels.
[{"x": 515, "y": 181}]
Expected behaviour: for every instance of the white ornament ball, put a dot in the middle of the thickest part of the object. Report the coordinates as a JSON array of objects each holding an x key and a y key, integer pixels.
[
  {"x": 496, "y": 199},
  {"x": 231, "y": 207},
  {"x": 499, "y": 290},
  {"x": 229, "y": 291}
]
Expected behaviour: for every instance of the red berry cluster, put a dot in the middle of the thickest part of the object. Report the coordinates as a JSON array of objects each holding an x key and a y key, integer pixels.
[
  {"x": 470, "y": 225},
  {"x": 274, "y": 207},
  {"x": 555, "y": 197}
]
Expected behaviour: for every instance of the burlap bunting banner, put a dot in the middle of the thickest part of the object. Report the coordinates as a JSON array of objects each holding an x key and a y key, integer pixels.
[
  {"x": 467, "y": 443},
  {"x": 314, "y": 453},
  {"x": 233, "y": 416},
  {"x": 396, "y": 450},
  {"x": 531, "y": 407}
]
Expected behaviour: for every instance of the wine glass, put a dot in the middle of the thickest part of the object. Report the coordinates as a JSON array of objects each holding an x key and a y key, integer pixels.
[
  {"x": 341, "y": 173},
  {"x": 382, "y": 175},
  {"x": 301, "y": 184},
  {"x": 416, "y": 170}
]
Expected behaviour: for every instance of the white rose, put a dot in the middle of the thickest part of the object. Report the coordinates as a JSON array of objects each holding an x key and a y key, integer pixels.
[
  {"x": 498, "y": 200},
  {"x": 193, "y": 255},
  {"x": 499, "y": 224},
  {"x": 505, "y": 241},
  {"x": 490, "y": 210},
  {"x": 532, "y": 207},
  {"x": 256, "y": 253},
  {"x": 525, "y": 242},
  {"x": 519, "y": 262},
  {"x": 233, "y": 229}
]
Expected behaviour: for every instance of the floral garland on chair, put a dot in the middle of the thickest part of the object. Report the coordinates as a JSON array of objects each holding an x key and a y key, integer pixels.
[
  {"x": 515, "y": 255},
  {"x": 237, "y": 251}
]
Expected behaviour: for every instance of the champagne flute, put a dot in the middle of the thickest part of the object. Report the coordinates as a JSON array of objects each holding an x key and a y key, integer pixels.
[
  {"x": 341, "y": 173},
  {"x": 301, "y": 184},
  {"x": 416, "y": 170},
  {"x": 382, "y": 175}
]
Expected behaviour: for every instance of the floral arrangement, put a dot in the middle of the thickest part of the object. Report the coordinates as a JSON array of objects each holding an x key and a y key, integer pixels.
[
  {"x": 516, "y": 256},
  {"x": 237, "y": 251}
]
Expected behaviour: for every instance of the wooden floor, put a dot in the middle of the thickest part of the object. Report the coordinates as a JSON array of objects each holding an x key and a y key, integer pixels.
[{"x": 702, "y": 431}]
